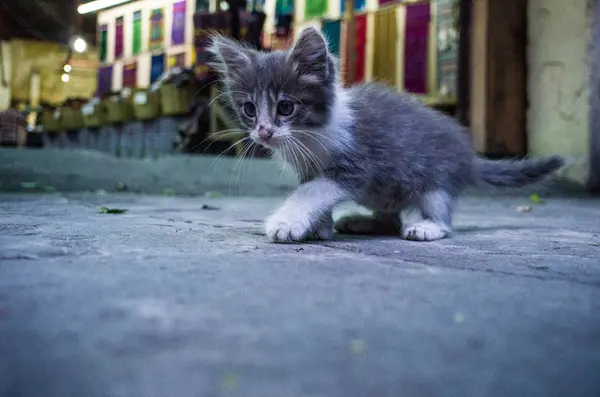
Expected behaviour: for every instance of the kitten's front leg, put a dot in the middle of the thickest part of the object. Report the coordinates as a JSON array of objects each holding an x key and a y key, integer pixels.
[{"x": 306, "y": 211}]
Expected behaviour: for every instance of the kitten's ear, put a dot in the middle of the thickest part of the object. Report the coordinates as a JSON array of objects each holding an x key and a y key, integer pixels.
[
  {"x": 227, "y": 56},
  {"x": 310, "y": 56}
]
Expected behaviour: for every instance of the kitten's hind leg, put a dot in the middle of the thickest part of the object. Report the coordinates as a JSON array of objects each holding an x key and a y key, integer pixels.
[
  {"x": 379, "y": 223},
  {"x": 436, "y": 208}
]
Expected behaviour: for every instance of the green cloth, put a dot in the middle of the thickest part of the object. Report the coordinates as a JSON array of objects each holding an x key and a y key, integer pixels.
[
  {"x": 284, "y": 7},
  {"x": 315, "y": 9},
  {"x": 103, "y": 43},
  {"x": 137, "y": 33}
]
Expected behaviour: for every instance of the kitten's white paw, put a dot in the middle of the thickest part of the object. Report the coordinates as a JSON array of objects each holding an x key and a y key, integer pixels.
[
  {"x": 425, "y": 231},
  {"x": 281, "y": 228}
]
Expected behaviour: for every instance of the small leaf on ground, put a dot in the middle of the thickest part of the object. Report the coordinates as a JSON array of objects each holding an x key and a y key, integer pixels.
[
  {"x": 229, "y": 381},
  {"x": 101, "y": 192},
  {"x": 105, "y": 210},
  {"x": 169, "y": 192},
  {"x": 357, "y": 347},
  {"x": 210, "y": 207},
  {"x": 213, "y": 195},
  {"x": 29, "y": 185},
  {"x": 535, "y": 198}
]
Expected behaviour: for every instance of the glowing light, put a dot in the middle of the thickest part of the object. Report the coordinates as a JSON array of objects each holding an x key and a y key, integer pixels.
[
  {"x": 99, "y": 5},
  {"x": 79, "y": 45},
  {"x": 67, "y": 68},
  {"x": 65, "y": 78}
]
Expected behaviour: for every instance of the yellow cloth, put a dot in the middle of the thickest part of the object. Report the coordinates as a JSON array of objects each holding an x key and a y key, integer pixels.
[{"x": 384, "y": 51}]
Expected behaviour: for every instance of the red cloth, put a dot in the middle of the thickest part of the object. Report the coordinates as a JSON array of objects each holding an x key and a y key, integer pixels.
[{"x": 360, "y": 48}]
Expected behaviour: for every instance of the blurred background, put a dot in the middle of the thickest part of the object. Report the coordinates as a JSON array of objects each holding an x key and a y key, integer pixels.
[{"x": 87, "y": 81}]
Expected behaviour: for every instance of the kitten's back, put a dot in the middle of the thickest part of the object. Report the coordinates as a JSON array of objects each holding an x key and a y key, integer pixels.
[{"x": 408, "y": 142}]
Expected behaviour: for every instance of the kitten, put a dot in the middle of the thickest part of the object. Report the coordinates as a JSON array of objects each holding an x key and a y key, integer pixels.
[{"x": 368, "y": 143}]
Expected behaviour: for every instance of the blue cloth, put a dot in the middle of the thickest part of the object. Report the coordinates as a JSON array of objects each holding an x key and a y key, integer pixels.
[
  {"x": 157, "y": 67},
  {"x": 359, "y": 5},
  {"x": 332, "y": 29}
]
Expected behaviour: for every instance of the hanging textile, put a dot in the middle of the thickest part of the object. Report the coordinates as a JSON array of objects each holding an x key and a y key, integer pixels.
[
  {"x": 157, "y": 37},
  {"x": 332, "y": 30},
  {"x": 385, "y": 2},
  {"x": 202, "y": 5},
  {"x": 315, "y": 9},
  {"x": 447, "y": 46},
  {"x": 177, "y": 60},
  {"x": 130, "y": 75},
  {"x": 284, "y": 16},
  {"x": 157, "y": 67},
  {"x": 359, "y": 5},
  {"x": 416, "y": 48},
  {"x": 103, "y": 32},
  {"x": 204, "y": 24},
  {"x": 119, "y": 38},
  {"x": 178, "y": 28},
  {"x": 384, "y": 48},
  {"x": 251, "y": 26},
  {"x": 137, "y": 33},
  {"x": 360, "y": 48},
  {"x": 104, "y": 80}
]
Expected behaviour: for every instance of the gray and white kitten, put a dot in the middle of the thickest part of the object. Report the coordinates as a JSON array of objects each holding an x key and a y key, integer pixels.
[{"x": 368, "y": 144}]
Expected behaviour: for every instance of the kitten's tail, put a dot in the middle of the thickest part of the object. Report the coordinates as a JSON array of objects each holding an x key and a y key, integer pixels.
[{"x": 514, "y": 173}]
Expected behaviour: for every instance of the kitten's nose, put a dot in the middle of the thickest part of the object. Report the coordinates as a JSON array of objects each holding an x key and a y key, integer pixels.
[{"x": 264, "y": 133}]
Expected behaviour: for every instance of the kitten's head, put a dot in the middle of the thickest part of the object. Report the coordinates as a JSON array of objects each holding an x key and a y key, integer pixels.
[{"x": 281, "y": 95}]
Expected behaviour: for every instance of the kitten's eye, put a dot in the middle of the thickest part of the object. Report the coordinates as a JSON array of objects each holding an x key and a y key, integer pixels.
[
  {"x": 250, "y": 109},
  {"x": 285, "y": 108}
]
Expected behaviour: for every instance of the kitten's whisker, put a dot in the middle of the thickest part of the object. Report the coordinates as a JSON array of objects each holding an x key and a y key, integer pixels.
[
  {"x": 315, "y": 162},
  {"x": 229, "y": 148},
  {"x": 316, "y": 137},
  {"x": 220, "y": 134}
]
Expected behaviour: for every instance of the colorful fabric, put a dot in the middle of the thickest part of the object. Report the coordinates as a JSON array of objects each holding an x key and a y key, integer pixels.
[
  {"x": 157, "y": 67},
  {"x": 202, "y": 5},
  {"x": 284, "y": 7},
  {"x": 384, "y": 49},
  {"x": 315, "y": 9},
  {"x": 104, "y": 80},
  {"x": 119, "y": 37},
  {"x": 332, "y": 29},
  {"x": 177, "y": 60},
  {"x": 130, "y": 75},
  {"x": 447, "y": 46},
  {"x": 416, "y": 48},
  {"x": 359, "y": 5},
  {"x": 178, "y": 28},
  {"x": 157, "y": 37},
  {"x": 137, "y": 33},
  {"x": 103, "y": 32},
  {"x": 360, "y": 49}
]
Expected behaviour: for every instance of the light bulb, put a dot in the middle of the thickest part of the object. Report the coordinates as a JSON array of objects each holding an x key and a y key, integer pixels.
[
  {"x": 79, "y": 45},
  {"x": 67, "y": 68},
  {"x": 65, "y": 78}
]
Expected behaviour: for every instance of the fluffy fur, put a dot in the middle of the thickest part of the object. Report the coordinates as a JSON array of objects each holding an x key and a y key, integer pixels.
[{"x": 368, "y": 143}]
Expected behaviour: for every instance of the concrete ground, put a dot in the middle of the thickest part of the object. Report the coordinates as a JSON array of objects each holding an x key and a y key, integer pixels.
[{"x": 175, "y": 299}]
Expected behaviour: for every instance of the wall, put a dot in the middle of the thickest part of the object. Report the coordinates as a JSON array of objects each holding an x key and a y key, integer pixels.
[
  {"x": 558, "y": 86},
  {"x": 6, "y": 69},
  {"x": 126, "y": 11}
]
